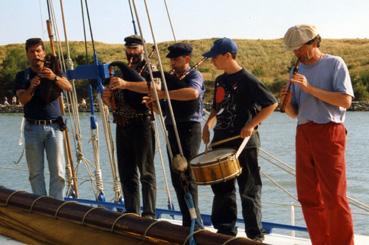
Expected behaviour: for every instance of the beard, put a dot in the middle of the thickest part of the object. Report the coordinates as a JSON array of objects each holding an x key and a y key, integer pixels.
[{"x": 134, "y": 58}]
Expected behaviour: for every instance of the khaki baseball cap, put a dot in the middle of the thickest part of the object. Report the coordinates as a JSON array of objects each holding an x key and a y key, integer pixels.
[{"x": 298, "y": 35}]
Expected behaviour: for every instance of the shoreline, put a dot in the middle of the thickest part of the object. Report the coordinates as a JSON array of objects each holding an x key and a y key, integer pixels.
[{"x": 355, "y": 106}]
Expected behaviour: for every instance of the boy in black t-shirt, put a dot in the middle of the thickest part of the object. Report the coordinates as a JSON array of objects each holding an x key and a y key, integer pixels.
[{"x": 241, "y": 103}]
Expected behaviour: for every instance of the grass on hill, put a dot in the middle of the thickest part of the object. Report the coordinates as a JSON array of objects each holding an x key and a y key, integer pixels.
[{"x": 266, "y": 59}]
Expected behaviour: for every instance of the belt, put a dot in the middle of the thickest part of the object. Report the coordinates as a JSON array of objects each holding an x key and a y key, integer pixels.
[
  {"x": 123, "y": 121},
  {"x": 41, "y": 122}
]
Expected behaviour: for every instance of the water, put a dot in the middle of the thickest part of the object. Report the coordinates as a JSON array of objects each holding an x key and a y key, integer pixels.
[{"x": 277, "y": 136}]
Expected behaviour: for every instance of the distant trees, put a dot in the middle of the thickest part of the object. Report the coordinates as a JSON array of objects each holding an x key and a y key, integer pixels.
[
  {"x": 266, "y": 59},
  {"x": 14, "y": 61},
  {"x": 361, "y": 86}
]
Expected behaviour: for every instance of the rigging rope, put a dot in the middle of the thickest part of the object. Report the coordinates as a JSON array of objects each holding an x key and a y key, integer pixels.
[
  {"x": 72, "y": 181},
  {"x": 277, "y": 162},
  {"x": 20, "y": 141},
  {"x": 170, "y": 20},
  {"x": 73, "y": 112},
  {"x": 94, "y": 139},
  {"x": 74, "y": 109},
  {"x": 161, "y": 119},
  {"x": 69, "y": 60},
  {"x": 274, "y": 182},
  {"x": 95, "y": 146},
  {"x": 84, "y": 31},
  {"x": 157, "y": 142},
  {"x": 41, "y": 18},
  {"x": 90, "y": 27},
  {"x": 287, "y": 168},
  {"x": 77, "y": 131},
  {"x": 149, "y": 66},
  {"x": 133, "y": 18},
  {"x": 188, "y": 197},
  {"x": 163, "y": 78},
  {"x": 104, "y": 112},
  {"x": 71, "y": 177},
  {"x": 57, "y": 36}
]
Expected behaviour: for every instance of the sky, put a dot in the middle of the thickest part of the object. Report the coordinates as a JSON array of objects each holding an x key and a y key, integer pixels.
[{"x": 192, "y": 19}]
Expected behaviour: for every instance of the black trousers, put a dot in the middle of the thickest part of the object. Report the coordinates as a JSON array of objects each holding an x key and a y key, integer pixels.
[
  {"x": 224, "y": 210},
  {"x": 135, "y": 152},
  {"x": 190, "y": 137}
]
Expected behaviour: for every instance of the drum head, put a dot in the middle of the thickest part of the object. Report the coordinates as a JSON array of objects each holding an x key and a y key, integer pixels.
[{"x": 213, "y": 156}]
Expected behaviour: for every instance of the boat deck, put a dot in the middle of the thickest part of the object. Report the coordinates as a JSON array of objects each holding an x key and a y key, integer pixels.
[
  {"x": 8, "y": 241},
  {"x": 278, "y": 239},
  {"x": 272, "y": 238}
]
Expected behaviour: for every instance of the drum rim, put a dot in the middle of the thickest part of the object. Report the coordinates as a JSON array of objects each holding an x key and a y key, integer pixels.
[
  {"x": 209, "y": 164},
  {"x": 230, "y": 177},
  {"x": 223, "y": 148}
]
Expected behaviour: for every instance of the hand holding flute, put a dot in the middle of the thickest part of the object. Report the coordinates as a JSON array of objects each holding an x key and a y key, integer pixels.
[{"x": 286, "y": 91}]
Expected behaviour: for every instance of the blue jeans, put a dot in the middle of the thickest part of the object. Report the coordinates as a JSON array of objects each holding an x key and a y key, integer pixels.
[{"x": 49, "y": 139}]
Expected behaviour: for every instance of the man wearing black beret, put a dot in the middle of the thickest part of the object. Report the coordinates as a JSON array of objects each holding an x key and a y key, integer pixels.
[
  {"x": 134, "y": 51},
  {"x": 135, "y": 132},
  {"x": 186, "y": 90},
  {"x": 133, "y": 41},
  {"x": 179, "y": 49}
]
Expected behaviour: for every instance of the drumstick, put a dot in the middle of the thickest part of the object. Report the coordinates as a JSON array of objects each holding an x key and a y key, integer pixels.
[
  {"x": 225, "y": 140},
  {"x": 242, "y": 146}
]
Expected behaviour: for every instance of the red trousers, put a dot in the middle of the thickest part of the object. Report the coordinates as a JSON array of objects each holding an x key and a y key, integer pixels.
[{"x": 321, "y": 183}]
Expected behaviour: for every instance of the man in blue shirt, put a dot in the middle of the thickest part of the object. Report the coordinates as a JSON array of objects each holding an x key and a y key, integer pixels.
[
  {"x": 321, "y": 93},
  {"x": 44, "y": 124},
  {"x": 186, "y": 90}
]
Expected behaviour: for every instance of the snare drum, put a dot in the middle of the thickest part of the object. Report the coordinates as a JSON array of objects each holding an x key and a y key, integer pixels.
[{"x": 215, "y": 166}]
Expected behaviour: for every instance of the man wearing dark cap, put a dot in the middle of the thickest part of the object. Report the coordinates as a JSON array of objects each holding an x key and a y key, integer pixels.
[
  {"x": 321, "y": 93},
  {"x": 133, "y": 41},
  {"x": 186, "y": 91},
  {"x": 134, "y": 52},
  {"x": 42, "y": 131},
  {"x": 241, "y": 102},
  {"x": 135, "y": 136}
]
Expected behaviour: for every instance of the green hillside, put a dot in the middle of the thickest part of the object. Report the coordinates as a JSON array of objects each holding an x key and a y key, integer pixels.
[{"x": 267, "y": 59}]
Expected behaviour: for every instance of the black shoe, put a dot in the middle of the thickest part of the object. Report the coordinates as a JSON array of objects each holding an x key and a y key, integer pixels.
[
  {"x": 148, "y": 216},
  {"x": 258, "y": 239},
  {"x": 227, "y": 232}
]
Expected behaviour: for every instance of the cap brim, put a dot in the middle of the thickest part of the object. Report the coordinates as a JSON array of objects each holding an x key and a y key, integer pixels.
[
  {"x": 133, "y": 45},
  {"x": 292, "y": 48},
  {"x": 170, "y": 55},
  {"x": 175, "y": 55},
  {"x": 209, "y": 54}
]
